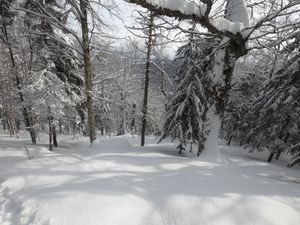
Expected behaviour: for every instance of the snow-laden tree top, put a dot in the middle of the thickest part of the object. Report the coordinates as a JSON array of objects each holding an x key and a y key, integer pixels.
[
  {"x": 186, "y": 7},
  {"x": 236, "y": 14}
]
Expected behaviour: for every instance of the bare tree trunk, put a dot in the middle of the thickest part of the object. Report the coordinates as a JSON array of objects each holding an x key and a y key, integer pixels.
[
  {"x": 4, "y": 124},
  {"x": 87, "y": 70},
  {"x": 229, "y": 140},
  {"x": 277, "y": 155},
  {"x": 18, "y": 125},
  {"x": 147, "y": 78},
  {"x": 9, "y": 128},
  {"x": 271, "y": 156},
  {"x": 18, "y": 84},
  {"x": 122, "y": 127},
  {"x": 102, "y": 129},
  {"x": 133, "y": 119},
  {"x": 74, "y": 127},
  {"x": 67, "y": 128},
  {"x": 54, "y": 135},
  {"x": 50, "y": 132}
]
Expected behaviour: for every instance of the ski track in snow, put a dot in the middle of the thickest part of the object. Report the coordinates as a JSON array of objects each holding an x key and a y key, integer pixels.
[{"x": 115, "y": 182}]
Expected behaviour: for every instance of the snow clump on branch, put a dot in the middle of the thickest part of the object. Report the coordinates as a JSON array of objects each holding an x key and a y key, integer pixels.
[{"x": 185, "y": 7}]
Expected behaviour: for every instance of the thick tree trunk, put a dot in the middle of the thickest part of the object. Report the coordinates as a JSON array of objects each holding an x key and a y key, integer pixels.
[
  {"x": 233, "y": 52},
  {"x": 220, "y": 90},
  {"x": 54, "y": 136},
  {"x": 147, "y": 78},
  {"x": 271, "y": 156},
  {"x": 102, "y": 130},
  {"x": 87, "y": 70},
  {"x": 229, "y": 140}
]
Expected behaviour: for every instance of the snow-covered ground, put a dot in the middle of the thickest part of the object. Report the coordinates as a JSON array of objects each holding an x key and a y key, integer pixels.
[{"x": 116, "y": 182}]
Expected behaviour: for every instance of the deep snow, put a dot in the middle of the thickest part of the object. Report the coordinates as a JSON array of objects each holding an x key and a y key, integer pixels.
[{"x": 116, "y": 182}]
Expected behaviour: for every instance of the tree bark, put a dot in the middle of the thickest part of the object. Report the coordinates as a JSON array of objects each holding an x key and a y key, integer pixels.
[
  {"x": 271, "y": 156},
  {"x": 54, "y": 135},
  {"x": 4, "y": 124},
  {"x": 147, "y": 78},
  {"x": 67, "y": 128},
  {"x": 25, "y": 112},
  {"x": 133, "y": 119},
  {"x": 50, "y": 133},
  {"x": 229, "y": 140},
  {"x": 277, "y": 155},
  {"x": 87, "y": 70},
  {"x": 233, "y": 51}
]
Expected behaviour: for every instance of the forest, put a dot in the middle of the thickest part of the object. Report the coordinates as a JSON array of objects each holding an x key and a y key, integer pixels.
[
  {"x": 80, "y": 82},
  {"x": 182, "y": 76}
]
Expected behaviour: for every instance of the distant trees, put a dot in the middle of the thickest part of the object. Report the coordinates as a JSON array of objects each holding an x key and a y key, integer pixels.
[
  {"x": 245, "y": 73},
  {"x": 270, "y": 114}
]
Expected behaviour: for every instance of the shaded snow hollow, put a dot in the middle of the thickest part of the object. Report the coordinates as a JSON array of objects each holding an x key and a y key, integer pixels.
[{"x": 115, "y": 182}]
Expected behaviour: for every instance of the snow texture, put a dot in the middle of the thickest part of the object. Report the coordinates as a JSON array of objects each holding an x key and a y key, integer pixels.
[
  {"x": 211, "y": 152},
  {"x": 236, "y": 12},
  {"x": 217, "y": 73},
  {"x": 117, "y": 182},
  {"x": 184, "y": 6},
  {"x": 236, "y": 17},
  {"x": 223, "y": 24}
]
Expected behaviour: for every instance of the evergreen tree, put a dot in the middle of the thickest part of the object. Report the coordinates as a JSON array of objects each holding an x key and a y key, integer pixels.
[
  {"x": 275, "y": 113},
  {"x": 186, "y": 113},
  {"x": 245, "y": 89}
]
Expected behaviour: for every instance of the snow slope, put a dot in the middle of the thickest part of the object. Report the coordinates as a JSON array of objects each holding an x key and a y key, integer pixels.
[{"x": 115, "y": 182}]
